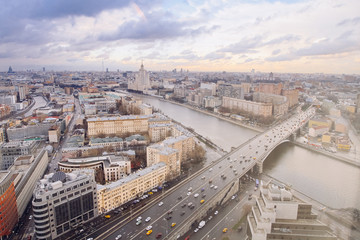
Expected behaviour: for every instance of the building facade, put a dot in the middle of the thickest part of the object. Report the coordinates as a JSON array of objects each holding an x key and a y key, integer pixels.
[
  {"x": 255, "y": 108},
  {"x": 13, "y": 149},
  {"x": 8, "y": 208},
  {"x": 115, "y": 194},
  {"x": 63, "y": 201},
  {"x": 117, "y": 125}
]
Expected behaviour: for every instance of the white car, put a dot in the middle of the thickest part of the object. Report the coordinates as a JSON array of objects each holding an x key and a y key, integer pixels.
[
  {"x": 147, "y": 219},
  {"x": 189, "y": 193},
  {"x": 212, "y": 185},
  {"x": 196, "y": 230},
  {"x": 160, "y": 204},
  {"x": 233, "y": 197},
  {"x": 210, "y": 169},
  {"x": 149, "y": 227},
  {"x": 215, "y": 187},
  {"x": 196, "y": 195},
  {"x": 139, "y": 218},
  {"x": 118, "y": 237},
  {"x": 216, "y": 212}
]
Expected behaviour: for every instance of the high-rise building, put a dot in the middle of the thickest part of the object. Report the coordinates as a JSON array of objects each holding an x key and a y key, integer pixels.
[
  {"x": 62, "y": 201},
  {"x": 23, "y": 90},
  {"x": 13, "y": 149},
  {"x": 141, "y": 82},
  {"x": 8, "y": 210}
]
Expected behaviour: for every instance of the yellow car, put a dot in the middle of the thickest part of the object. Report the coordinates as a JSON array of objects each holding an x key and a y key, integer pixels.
[
  {"x": 202, "y": 201},
  {"x": 107, "y": 216},
  {"x": 150, "y": 193},
  {"x": 149, "y": 232},
  {"x": 225, "y": 230},
  {"x": 173, "y": 224},
  {"x": 254, "y": 158}
]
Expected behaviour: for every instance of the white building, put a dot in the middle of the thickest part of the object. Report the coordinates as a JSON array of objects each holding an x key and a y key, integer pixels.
[{"x": 141, "y": 82}]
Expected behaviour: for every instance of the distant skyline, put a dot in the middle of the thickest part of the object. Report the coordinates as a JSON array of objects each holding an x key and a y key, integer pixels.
[{"x": 225, "y": 35}]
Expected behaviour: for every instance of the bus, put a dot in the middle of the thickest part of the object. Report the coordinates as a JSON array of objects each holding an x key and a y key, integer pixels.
[{"x": 257, "y": 183}]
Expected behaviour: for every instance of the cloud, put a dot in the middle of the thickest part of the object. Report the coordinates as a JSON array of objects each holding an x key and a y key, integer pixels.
[
  {"x": 282, "y": 39},
  {"x": 352, "y": 21},
  {"x": 158, "y": 25},
  {"x": 276, "y": 52}
]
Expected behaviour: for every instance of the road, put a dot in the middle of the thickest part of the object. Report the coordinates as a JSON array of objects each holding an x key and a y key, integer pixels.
[{"x": 233, "y": 165}]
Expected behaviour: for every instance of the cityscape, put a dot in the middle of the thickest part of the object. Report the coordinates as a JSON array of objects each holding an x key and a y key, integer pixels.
[{"x": 207, "y": 120}]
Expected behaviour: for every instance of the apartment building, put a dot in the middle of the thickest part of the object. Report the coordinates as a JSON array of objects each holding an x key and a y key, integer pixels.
[
  {"x": 280, "y": 104},
  {"x": 115, "y": 194},
  {"x": 62, "y": 201},
  {"x": 117, "y": 125},
  {"x": 13, "y": 149},
  {"x": 255, "y": 108}
]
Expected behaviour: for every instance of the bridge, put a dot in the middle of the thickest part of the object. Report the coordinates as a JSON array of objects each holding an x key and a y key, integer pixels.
[{"x": 215, "y": 184}]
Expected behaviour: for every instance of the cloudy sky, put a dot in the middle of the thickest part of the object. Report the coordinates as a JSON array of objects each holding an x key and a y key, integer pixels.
[{"x": 229, "y": 35}]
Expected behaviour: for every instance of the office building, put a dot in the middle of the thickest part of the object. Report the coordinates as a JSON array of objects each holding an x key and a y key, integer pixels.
[
  {"x": 8, "y": 208},
  {"x": 63, "y": 201},
  {"x": 13, "y": 149}
]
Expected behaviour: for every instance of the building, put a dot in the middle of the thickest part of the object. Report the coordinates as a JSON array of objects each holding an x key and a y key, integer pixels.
[
  {"x": 115, "y": 142},
  {"x": 23, "y": 90},
  {"x": 278, "y": 214},
  {"x": 54, "y": 134},
  {"x": 272, "y": 88},
  {"x": 27, "y": 171},
  {"x": 231, "y": 91},
  {"x": 2, "y": 135},
  {"x": 106, "y": 168},
  {"x": 358, "y": 103},
  {"x": 106, "y": 106},
  {"x": 145, "y": 109},
  {"x": 343, "y": 143},
  {"x": 8, "y": 210},
  {"x": 334, "y": 112},
  {"x": 317, "y": 131},
  {"x": 141, "y": 82},
  {"x": 292, "y": 95},
  {"x": 13, "y": 149},
  {"x": 158, "y": 132},
  {"x": 280, "y": 103},
  {"x": 341, "y": 126},
  {"x": 255, "y": 108},
  {"x": 320, "y": 121},
  {"x": 63, "y": 201},
  {"x": 5, "y": 110},
  {"x": 115, "y": 194},
  {"x": 117, "y": 125},
  {"x": 211, "y": 102},
  {"x": 209, "y": 86}
]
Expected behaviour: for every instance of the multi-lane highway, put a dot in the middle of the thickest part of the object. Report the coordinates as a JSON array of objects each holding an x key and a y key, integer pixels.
[{"x": 176, "y": 208}]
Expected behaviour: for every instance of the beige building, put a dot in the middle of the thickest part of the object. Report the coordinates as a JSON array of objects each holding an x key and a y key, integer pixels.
[
  {"x": 115, "y": 194},
  {"x": 111, "y": 167},
  {"x": 158, "y": 132},
  {"x": 145, "y": 109},
  {"x": 280, "y": 103},
  {"x": 117, "y": 125},
  {"x": 278, "y": 214},
  {"x": 292, "y": 96},
  {"x": 255, "y": 108},
  {"x": 54, "y": 134}
]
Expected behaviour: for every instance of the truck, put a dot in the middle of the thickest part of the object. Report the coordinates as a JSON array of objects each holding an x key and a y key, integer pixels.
[{"x": 201, "y": 224}]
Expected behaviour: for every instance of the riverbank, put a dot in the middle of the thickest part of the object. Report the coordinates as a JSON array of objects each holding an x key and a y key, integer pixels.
[
  {"x": 254, "y": 128},
  {"x": 328, "y": 154}
]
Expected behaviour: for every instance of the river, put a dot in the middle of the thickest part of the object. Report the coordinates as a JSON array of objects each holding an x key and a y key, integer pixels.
[
  {"x": 329, "y": 181},
  {"x": 39, "y": 102}
]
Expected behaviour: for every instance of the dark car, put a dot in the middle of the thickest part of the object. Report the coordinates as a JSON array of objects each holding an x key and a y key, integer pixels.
[
  {"x": 182, "y": 214},
  {"x": 159, "y": 235}
]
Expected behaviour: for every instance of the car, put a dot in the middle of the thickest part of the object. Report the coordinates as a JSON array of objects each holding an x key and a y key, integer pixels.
[
  {"x": 192, "y": 206},
  {"x": 160, "y": 204},
  {"x": 139, "y": 218},
  {"x": 202, "y": 201},
  {"x": 81, "y": 230},
  {"x": 154, "y": 190},
  {"x": 203, "y": 189},
  {"x": 147, "y": 219},
  {"x": 210, "y": 169},
  {"x": 189, "y": 193},
  {"x": 212, "y": 186},
  {"x": 204, "y": 195},
  {"x": 168, "y": 217},
  {"x": 170, "y": 212},
  {"x": 203, "y": 177},
  {"x": 116, "y": 212},
  {"x": 149, "y": 227},
  {"x": 107, "y": 216},
  {"x": 233, "y": 197},
  {"x": 149, "y": 232},
  {"x": 159, "y": 235},
  {"x": 219, "y": 166},
  {"x": 216, "y": 212},
  {"x": 182, "y": 213},
  {"x": 210, "y": 181},
  {"x": 216, "y": 187},
  {"x": 150, "y": 193},
  {"x": 196, "y": 195},
  {"x": 118, "y": 237},
  {"x": 138, "y": 222},
  {"x": 225, "y": 230},
  {"x": 184, "y": 205},
  {"x": 231, "y": 166},
  {"x": 173, "y": 224},
  {"x": 30, "y": 217},
  {"x": 90, "y": 239},
  {"x": 196, "y": 230},
  {"x": 210, "y": 218}
]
